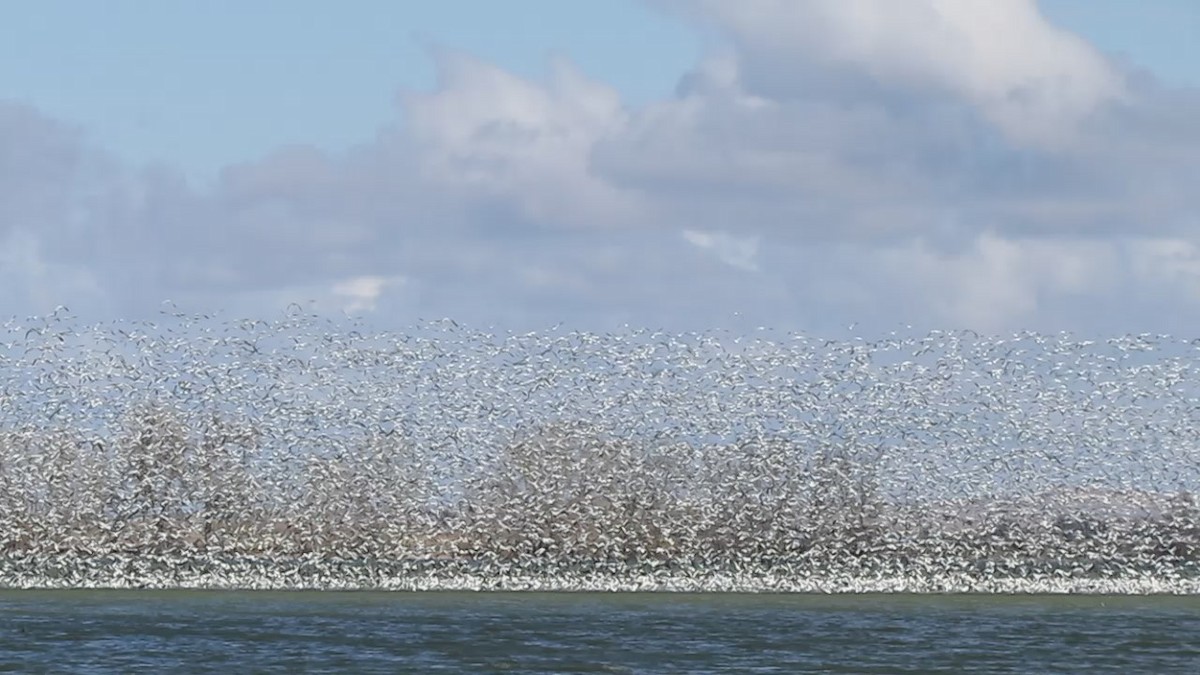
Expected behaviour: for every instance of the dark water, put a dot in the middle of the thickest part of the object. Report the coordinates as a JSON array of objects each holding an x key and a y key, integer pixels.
[{"x": 186, "y": 631}]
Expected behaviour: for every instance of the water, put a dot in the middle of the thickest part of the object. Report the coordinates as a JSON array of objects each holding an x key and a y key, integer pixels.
[{"x": 205, "y": 631}]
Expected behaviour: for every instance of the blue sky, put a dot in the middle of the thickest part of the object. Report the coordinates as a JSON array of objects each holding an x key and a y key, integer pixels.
[
  {"x": 692, "y": 163},
  {"x": 202, "y": 85}
]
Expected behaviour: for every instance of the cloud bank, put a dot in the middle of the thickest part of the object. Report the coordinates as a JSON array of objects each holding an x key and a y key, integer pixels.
[{"x": 829, "y": 162}]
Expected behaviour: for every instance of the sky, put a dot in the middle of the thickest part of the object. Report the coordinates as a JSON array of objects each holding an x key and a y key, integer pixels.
[{"x": 805, "y": 165}]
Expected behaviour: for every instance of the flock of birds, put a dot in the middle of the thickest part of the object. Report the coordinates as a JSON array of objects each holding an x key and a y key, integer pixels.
[{"x": 302, "y": 453}]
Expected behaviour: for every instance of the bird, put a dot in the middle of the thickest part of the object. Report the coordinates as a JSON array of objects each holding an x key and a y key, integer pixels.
[{"x": 301, "y": 452}]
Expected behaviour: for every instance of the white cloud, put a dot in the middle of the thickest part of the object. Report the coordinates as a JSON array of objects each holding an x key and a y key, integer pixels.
[
  {"x": 739, "y": 252},
  {"x": 1168, "y": 261},
  {"x": 361, "y": 294},
  {"x": 489, "y": 133},
  {"x": 1033, "y": 80},
  {"x": 999, "y": 283}
]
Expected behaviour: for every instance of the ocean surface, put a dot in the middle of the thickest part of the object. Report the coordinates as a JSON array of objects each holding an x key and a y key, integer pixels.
[{"x": 85, "y": 631}]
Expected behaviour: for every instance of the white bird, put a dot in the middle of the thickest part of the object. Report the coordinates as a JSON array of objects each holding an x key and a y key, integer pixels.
[{"x": 304, "y": 453}]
